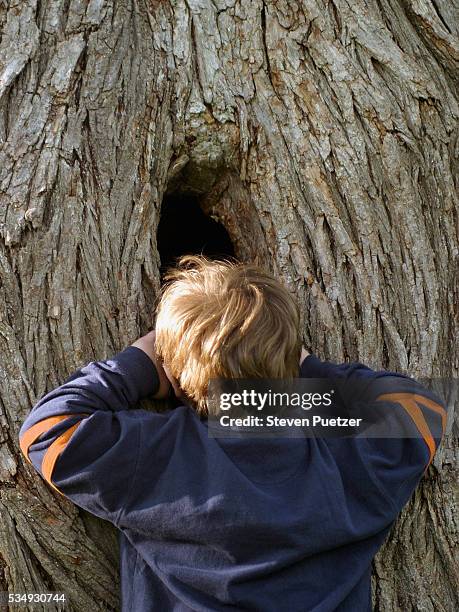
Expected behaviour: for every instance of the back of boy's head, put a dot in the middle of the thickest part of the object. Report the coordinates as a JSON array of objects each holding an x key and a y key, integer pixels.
[{"x": 224, "y": 319}]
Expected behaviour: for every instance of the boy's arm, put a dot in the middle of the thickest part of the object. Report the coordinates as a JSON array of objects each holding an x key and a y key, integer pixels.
[
  {"x": 83, "y": 437},
  {"x": 406, "y": 406}
]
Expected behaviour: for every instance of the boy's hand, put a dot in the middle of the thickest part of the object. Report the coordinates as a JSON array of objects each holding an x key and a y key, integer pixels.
[
  {"x": 304, "y": 354},
  {"x": 147, "y": 344}
]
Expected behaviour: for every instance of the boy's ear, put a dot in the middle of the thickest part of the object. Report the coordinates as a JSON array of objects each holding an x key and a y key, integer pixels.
[
  {"x": 164, "y": 382},
  {"x": 174, "y": 383},
  {"x": 179, "y": 393}
]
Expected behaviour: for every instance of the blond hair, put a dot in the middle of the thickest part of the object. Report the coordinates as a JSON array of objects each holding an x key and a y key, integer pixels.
[{"x": 225, "y": 319}]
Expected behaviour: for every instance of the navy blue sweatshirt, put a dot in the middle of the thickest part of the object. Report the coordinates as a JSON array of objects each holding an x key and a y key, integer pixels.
[{"x": 230, "y": 524}]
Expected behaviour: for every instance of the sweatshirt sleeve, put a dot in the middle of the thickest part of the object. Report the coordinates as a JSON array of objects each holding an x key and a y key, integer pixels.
[
  {"x": 83, "y": 437},
  {"x": 414, "y": 415}
]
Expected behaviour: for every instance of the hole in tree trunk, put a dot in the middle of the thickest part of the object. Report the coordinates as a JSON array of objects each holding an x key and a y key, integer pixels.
[
  {"x": 185, "y": 229},
  {"x": 210, "y": 213}
]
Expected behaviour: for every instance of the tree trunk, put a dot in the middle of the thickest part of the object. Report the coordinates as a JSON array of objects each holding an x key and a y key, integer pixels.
[{"x": 322, "y": 134}]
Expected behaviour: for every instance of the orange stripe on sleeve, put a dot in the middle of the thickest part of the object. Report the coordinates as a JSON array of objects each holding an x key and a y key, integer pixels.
[
  {"x": 36, "y": 430},
  {"x": 53, "y": 452},
  {"x": 407, "y": 401},
  {"x": 425, "y": 401}
]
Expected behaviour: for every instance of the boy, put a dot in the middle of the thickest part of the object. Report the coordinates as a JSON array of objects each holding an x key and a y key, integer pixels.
[{"x": 228, "y": 524}]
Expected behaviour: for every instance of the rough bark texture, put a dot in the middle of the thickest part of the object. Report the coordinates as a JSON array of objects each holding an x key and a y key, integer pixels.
[{"x": 322, "y": 134}]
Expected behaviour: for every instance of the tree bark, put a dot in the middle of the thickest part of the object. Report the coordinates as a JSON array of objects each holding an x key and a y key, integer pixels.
[{"x": 322, "y": 134}]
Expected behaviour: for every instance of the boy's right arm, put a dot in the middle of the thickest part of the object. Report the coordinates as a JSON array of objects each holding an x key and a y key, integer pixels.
[
  {"x": 85, "y": 437},
  {"x": 397, "y": 462}
]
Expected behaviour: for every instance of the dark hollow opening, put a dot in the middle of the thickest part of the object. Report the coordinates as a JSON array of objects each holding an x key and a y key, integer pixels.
[{"x": 184, "y": 229}]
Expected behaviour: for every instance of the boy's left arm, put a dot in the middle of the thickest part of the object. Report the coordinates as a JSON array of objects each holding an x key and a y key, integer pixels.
[
  {"x": 83, "y": 437},
  {"x": 408, "y": 422}
]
